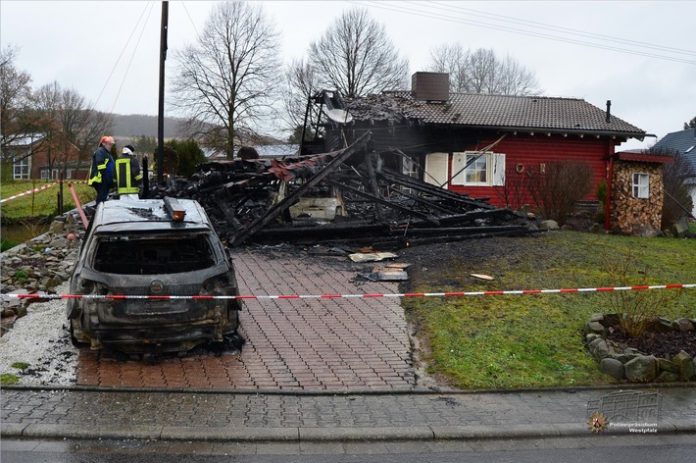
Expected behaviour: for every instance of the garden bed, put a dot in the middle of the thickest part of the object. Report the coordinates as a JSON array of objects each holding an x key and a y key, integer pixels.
[{"x": 664, "y": 351}]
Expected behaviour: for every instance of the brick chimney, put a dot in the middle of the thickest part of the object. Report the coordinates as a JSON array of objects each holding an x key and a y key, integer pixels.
[{"x": 430, "y": 86}]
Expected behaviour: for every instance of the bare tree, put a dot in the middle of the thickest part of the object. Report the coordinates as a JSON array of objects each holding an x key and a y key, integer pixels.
[
  {"x": 226, "y": 80},
  {"x": 452, "y": 59},
  {"x": 14, "y": 98},
  {"x": 80, "y": 124},
  {"x": 67, "y": 122},
  {"x": 302, "y": 81},
  {"x": 481, "y": 71},
  {"x": 46, "y": 104},
  {"x": 356, "y": 57}
]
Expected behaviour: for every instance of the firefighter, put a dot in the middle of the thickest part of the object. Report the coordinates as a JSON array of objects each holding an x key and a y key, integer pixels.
[
  {"x": 101, "y": 172},
  {"x": 128, "y": 174}
]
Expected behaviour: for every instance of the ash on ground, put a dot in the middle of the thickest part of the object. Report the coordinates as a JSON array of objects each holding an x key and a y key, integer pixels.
[{"x": 41, "y": 341}]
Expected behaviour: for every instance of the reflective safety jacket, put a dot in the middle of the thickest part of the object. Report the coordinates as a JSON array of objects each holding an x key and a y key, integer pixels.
[
  {"x": 102, "y": 168},
  {"x": 128, "y": 175}
]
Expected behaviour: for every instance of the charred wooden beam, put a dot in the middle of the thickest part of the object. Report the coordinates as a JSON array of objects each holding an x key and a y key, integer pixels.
[
  {"x": 372, "y": 179},
  {"x": 290, "y": 199},
  {"x": 386, "y": 202},
  {"x": 429, "y": 204},
  {"x": 405, "y": 180},
  {"x": 453, "y": 231}
]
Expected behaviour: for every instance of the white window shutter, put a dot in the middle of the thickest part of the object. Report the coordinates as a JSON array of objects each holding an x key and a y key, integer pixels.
[
  {"x": 498, "y": 169},
  {"x": 436, "y": 169},
  {"x": 458, "y": 163}
]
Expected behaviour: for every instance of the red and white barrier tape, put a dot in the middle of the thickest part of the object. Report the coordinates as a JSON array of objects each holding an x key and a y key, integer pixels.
[
  {"x": 521, "y": 292},
  {"x": 28, "y": 192}
]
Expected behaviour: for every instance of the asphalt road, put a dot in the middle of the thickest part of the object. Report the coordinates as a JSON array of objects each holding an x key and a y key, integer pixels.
[{"x": 620, "y": 449}]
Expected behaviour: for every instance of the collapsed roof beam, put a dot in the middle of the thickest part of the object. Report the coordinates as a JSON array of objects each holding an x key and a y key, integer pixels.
[
  {"x": 359, "y": 145},
  {"x": 405, "y": 180},
  {"x": 387, "y": 203}
]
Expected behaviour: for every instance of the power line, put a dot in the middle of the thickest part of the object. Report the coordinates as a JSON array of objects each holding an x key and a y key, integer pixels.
[
  {"x": 130, "y": 61},
  {"x": 565, "y": 30},
  {"x": 435, "y": 15},
  {"x": 421, "y": 13},
  {"x": 195, "y": 29},
  {"x": 123, "y": 50}
]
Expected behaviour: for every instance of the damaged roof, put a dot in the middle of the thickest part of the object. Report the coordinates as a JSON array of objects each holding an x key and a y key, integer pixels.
[{"x": 549, "y": 114}]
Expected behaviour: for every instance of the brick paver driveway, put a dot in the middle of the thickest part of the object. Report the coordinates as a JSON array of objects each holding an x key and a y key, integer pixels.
[{"x": 331, "y": 344}]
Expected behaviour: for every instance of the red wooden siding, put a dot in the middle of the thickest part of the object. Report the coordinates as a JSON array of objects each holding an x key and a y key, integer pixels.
[{"x": 531, "y": 151}]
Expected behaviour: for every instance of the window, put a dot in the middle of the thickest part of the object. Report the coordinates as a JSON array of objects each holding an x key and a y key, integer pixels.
[
  {"x": 641, "y": 186},
  {"x": 478, "y": 169},
  {"x": 20, "y": 168}
]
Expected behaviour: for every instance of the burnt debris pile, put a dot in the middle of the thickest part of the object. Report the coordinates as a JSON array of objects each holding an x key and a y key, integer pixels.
[{"x": 352, "y": 196}]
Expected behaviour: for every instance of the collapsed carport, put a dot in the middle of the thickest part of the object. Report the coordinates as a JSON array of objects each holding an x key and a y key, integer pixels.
[{"x": 347, "y": 196}]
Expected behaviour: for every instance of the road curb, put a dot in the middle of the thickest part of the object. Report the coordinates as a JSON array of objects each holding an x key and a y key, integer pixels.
[
  {"x": 230, "y": 434},
  {"x": 366, "y": 434},
  {"x": 363, "y": 434},
  {"x": 418, "y": 390}
]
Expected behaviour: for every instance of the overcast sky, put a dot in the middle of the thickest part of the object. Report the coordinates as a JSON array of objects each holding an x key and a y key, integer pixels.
[{"x": 651, "y": 80}]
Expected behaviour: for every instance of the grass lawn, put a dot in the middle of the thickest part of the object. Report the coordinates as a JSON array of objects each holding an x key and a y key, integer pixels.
[
  {"x": 44, "y": 201},
  {"x": 536, "y": 341}
]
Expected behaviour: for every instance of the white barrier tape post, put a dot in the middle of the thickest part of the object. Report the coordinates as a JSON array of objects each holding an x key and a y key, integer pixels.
[
  {"x": 28, "y": 192},
  {"x": 516, "y": 292}
]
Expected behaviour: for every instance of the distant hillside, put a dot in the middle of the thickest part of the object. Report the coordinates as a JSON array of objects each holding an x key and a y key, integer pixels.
[{"x": 133, "y": 125}]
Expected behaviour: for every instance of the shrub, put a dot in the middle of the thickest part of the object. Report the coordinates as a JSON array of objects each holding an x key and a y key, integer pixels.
[
  {"x": 602, "y": 191},
  {"x": 556, "y": 190},
  {"x": 188, "y": 156},
  {"x": 636, "y": 309}
]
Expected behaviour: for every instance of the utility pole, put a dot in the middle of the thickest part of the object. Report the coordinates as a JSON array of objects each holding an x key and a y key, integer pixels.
[{"x": 160, "y": 112}]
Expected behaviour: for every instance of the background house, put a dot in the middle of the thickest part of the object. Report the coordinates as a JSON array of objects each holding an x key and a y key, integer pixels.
[
  {"x": 32, "y": 156},
  {"x": 438, "y": 136},
  {"x": 684, "y": 143}
]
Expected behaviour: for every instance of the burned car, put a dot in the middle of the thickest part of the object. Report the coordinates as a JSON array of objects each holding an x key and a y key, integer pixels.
[{"x": 155, "y": 248}]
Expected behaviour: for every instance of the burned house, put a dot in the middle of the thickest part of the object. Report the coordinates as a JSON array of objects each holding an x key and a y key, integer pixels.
[
  {"x": 407, "y": 167},
  {"x": 480, "y": 145}
]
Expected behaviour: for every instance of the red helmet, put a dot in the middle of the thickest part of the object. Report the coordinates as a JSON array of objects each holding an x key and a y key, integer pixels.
[{"x": 106, "y": 139}]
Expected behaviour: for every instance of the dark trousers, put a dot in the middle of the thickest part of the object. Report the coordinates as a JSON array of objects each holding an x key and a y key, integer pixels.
[{"x": 102, "y": 191}]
